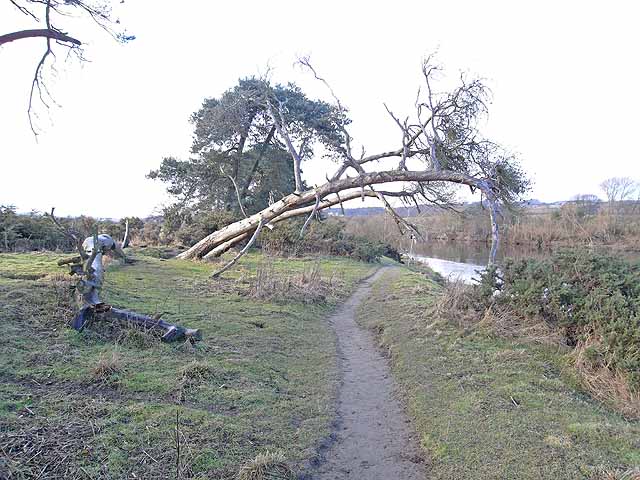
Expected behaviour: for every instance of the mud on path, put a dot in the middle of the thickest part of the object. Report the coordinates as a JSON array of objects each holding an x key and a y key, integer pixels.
[{"x": 374, "y": 439}]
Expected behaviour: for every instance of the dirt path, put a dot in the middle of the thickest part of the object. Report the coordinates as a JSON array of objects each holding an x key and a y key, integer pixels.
[{"x": 374, "y": 440}]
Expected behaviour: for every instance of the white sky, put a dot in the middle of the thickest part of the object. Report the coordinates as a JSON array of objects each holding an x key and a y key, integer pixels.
[{"x": 564, "y": 75}]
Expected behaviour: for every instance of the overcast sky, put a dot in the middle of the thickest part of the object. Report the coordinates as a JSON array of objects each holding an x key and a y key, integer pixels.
[{"x": 564, "y": 76}]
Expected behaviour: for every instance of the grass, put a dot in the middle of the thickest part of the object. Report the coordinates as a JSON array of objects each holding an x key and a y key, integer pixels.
[
  {"x": 103, "y": 403},
  {"x": 485, "y": 406}
]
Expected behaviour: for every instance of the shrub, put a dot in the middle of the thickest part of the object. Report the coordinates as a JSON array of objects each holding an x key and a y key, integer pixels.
[
  {"x": 188, "y": 226},
  {"x": 588, "y": 294},
  {"x": 308, "y": 286},
  {"x": 326, "y": 237}
]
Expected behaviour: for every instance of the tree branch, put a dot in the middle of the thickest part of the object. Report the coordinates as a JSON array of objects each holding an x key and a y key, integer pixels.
[
  {"x": 282, "y": 130},
  {"x": 77, "y": 241},
  {"x": 242, "y": 252},
  {"x": 48, "y": 33},
  {"x": 313, "y": 212}
]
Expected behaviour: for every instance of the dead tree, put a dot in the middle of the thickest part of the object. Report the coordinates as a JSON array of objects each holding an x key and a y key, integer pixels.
[
  {"x": 440, "y": 146},
  {"x": 88, "y": 265}
]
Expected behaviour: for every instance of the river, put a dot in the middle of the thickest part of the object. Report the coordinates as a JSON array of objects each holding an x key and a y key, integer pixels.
[{"x": 463, "y": 261}]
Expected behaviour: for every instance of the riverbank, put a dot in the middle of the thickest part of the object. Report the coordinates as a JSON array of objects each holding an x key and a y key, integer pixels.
[{"x": 492, "y": 407}]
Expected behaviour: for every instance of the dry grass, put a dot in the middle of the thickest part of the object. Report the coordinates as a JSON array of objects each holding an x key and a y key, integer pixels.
[
  {"x": 42, "y": 448},
  {"x": 108, "y": 365},
  {"x": 506, "y": 324},
  {"x": 266, "y": 466},
  {"x": 608, "y": 386},
  {"x": 453, "y": 305},
  {"x": 609, "y": 474},
  {"x": 309, "y": 286},
  {"x": 456, "y": 306},
  {"x": 536, "y": 227}
]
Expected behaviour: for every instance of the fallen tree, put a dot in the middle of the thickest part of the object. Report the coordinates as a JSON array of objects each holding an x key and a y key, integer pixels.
[{"x": 440, "y": 146}]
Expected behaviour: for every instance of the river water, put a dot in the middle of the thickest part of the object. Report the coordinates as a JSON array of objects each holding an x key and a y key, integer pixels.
[
  {"x": 463, "y": 261},
  {"x": 452, "y": 271}
]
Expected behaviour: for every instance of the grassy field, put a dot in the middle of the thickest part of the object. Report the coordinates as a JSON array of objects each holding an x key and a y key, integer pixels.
[
  {"x": 491, "y": 408},
  {"x": 106, "y": 403}
]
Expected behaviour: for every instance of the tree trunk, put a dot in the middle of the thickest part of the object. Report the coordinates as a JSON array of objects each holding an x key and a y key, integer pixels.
[
  {"x": 254, "y": 168},
  {"x": 295, "y": 201}
]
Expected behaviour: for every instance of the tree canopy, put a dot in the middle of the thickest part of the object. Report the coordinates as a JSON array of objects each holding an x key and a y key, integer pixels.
[
  {"x": 240, "y": 161},
  {"x": 441, "y": 145}
]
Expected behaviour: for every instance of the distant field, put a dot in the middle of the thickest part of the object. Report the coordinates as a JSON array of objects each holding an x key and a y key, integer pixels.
[{"x": 103, "y": 404}]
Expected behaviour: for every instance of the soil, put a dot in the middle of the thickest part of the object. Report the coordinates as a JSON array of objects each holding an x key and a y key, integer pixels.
[{"x": 373, "y": 439}]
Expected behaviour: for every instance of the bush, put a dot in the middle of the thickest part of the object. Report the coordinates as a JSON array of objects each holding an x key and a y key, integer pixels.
[
  {"x": 326, "y": 237},
  {"x": 35, "y": 231},
  {"x": 587, "y": 294},
  {"x": 188, "y": 226}
]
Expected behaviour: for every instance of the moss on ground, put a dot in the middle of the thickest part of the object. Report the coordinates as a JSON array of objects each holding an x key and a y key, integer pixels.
[
  {"x": 487, "y": 407},
  {"x": 103, "y": 403}
]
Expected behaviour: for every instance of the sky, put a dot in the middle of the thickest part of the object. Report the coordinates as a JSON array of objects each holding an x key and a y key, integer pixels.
[{"x": 564, "y": 78}]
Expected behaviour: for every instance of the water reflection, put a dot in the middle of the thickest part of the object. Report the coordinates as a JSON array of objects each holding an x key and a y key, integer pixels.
[
  {"x": 452, "y": 271},
  {"x": 475, "y": 253},
  {"x": 457, "y": 260},
  {"x": 463, "y": 261}
]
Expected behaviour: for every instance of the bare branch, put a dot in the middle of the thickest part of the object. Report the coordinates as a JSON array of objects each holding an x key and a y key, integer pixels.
[
  {"x": 282, "y": 130},
  {"x": 313, "y": 212},
  {"x": 306, "y": 62},
  {"x": 405, "y": 137},
  {"x": 54, "y": 36},
  {"x": 24, "y": 10},
  {"x": 235, "y": 186},
  {"x": 73, "y": 236},
  {"x": 242, "y": 252},
  {"x": 400, "y": 222}
]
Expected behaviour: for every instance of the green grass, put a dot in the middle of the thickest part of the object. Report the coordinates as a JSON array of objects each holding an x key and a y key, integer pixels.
[
  {"x": 486, "y": 407},
  {"x": 263, "y": 377}
]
